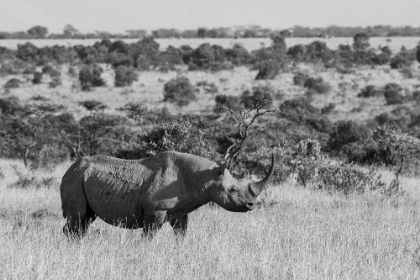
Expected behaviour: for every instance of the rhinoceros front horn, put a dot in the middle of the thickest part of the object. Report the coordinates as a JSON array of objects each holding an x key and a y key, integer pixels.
[{"x": 257, "y": 187}]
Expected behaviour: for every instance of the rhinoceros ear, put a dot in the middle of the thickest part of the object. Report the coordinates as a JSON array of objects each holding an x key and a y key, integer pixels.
[{"x": 221, "y": 170}]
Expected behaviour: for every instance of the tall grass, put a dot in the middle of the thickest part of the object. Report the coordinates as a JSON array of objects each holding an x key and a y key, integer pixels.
[{"x": 297, "y": 234}]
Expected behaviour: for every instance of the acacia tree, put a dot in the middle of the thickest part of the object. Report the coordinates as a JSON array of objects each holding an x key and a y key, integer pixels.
[
  {"x": 32, "y": 129},
  {"x": 39, "y": 32},
  {"x": 245, "y": 119},
  {"x": 95, "y": 130}
]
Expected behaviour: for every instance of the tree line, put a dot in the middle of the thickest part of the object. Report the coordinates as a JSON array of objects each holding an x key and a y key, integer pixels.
[{"x": 250, "y": 31}]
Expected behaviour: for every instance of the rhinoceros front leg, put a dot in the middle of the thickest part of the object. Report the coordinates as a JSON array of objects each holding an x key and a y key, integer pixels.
[
  {"x": 152, "y": 223},
  {"x": 180, "y": 225}
]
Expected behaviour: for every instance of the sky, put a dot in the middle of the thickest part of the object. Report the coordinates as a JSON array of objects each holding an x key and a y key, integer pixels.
[{"x": 121, "y": 15}]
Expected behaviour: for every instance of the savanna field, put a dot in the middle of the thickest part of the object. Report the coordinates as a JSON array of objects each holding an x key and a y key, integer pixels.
[{"x": 343, "y": 205}]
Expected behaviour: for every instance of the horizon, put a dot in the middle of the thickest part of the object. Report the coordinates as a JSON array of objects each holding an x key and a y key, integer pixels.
[{"x": 96, "y": 15}]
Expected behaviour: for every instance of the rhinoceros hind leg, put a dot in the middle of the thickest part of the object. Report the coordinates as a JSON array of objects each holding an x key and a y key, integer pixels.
[
  {"x": 77, "y": 224},
  {"x": 152, "y": 223},
  {"x": 180, "y": 225}
]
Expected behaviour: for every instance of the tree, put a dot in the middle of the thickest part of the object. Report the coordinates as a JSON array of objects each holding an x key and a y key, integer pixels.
[
  {"x": 125, "y": 76},
  {"x": 140, "y": 33},
  {"x": 97, "y": 130},
  {"x": 31, "y": 129},
  {"x": 69, "y": 31},
  {"x": 39, "y": 32},
  {"x": 245, "y": 120},
  {"x": 361, "y": 42}
]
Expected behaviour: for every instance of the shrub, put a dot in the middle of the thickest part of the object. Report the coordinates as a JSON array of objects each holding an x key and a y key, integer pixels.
[
  {"x": 125, "y": 76},
  {"x": 318, "y": 51},
  {"x": 203, "y": 56},
  {"x": 362, "y": 152},
  {"x": 407, "y": 73},
  {"x": 403, "y": 59},
  {"x": 10, "y": 106},
  {"x": 90, "y": 76},
  {"x": 268, "y": 70},
  {"x": 318, "y": 85},
  {"x": 346, "y": 132},
  {"x": 361, "y": 42},
  {"x": 182, "y": 135},
  {"x": 347, "y": 179},
  {"x": 49, "y": 70},
  {"x": 306, "y": 154},
  {"x": 179, "y": 91},
  {"x": 297, "y": 52},
  {"x": 400, "y": 117},
  {"x": 300, "y": 78},
  {"x": 418, "y": 53},
  {"x": 327, "y": 109},
  {"x": 238, "y": 55},
  {"x": 229, "y": 101},
  {"x": 260, "y": 92},
  {"x": 416, "y": 96},
  {"x": 37, "y": 78},
  {"x": 55, "y": 82},
  {"x": 393, "y": 95},
  {"x": 12, "y": 83},
  {"x": 208, "y": 87},
  {"x": 370, "y": 91},
  {"x": 398, "y": 149}
]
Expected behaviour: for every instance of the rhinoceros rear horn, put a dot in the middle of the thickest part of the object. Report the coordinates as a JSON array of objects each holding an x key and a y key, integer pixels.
[{"x": 257, "y": 187}]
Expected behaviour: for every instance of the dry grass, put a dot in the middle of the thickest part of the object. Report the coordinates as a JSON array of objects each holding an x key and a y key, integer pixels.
[
  {"x": 299, "y": 234},
  {"x": 149, "y": 90}
]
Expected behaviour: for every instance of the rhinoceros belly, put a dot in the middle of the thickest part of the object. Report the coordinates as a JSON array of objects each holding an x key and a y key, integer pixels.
[{"x": 116, "y": 203}]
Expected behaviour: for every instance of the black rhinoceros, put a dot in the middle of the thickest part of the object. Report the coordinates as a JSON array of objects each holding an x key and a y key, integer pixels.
[{"x": 148, "y": 192}]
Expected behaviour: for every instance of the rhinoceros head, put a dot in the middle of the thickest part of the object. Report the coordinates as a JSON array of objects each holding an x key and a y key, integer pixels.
[{"x": 238, "y": 195}]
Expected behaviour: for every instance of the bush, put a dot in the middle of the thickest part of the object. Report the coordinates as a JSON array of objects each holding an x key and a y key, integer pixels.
[
  {"x": 125, "y": 76},
  {"x": 268, "y": 70},
  {"x": 10, "y": 106},
  {"x": 361, "y": 42},
  {"x": 327, "y": 109},
  {"x": 238, "y": 55},
  {"x": 400, "y": 117},
  {"x": 393, "y": 94},
  {"x": 370, "y": 91},
  {"x": 318, "y": 85},
  {"x": 300, "y": 78},
  {"x": 12, "y": 83},
  {"x": 49, "y": 157},
  {"x": 203, "y": 56},
  {"x": 346, "y": 132},
  {"x": 229, "y": 101},
  {"x": 398, "y": 149},
  {"x": 362, "y": 152},
  {"x": 403, "y": 59},
  {"x": 347, "y": 179},
  {"x": 260, "y": 92},
  {"x": 407, "y": 73},
  {"x": 184, "y": 135},
  {"x": 90, "y": 76},
  {"x": 37, "y": 78},
  {"x": 179, "y": 91},
  {"x": 208, "y": 87},
  {"x": 55, "y": 82},
  {"x": 49, "y": 70}
]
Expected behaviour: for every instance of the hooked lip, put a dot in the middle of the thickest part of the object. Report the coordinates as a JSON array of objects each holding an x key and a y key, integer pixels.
[{"x": 249, "y": 207}]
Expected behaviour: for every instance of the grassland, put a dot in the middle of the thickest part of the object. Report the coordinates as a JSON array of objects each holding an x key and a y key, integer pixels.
[{"x": 296, "y": 234}]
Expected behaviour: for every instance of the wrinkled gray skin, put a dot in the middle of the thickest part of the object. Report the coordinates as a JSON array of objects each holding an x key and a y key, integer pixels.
[{"x": 146, "y": 193}]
